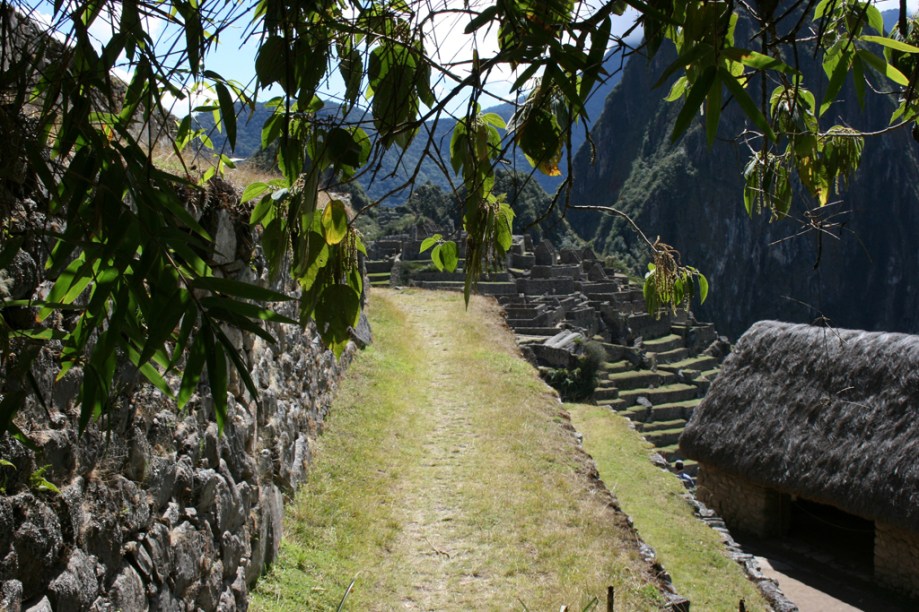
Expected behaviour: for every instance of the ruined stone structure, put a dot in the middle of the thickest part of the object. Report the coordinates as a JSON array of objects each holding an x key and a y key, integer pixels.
[
  {"x": 657, "y": 367},
  {"x": 156, "y": 509},
  {"x": 809, "y": 417}
]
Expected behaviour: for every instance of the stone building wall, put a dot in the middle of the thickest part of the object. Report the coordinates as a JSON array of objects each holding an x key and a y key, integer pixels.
[
  {"x": 743, "y": 505},
  {"x": 156, "y": 510},
  {"x": 896, "y": 558}
]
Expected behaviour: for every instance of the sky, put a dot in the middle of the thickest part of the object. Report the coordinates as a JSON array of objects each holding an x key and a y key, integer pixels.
[{"x": 234, "y": 55}]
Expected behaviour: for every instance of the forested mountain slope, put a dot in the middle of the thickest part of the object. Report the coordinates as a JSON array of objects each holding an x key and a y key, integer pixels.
[{"x": 861, "y": 272}]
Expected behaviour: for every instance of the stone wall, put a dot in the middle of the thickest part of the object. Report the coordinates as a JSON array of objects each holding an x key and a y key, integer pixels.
[
  {"x": 743, "y": 505},
  {"x": 896, "y": 558},
  {"x": 155, "y": 508}
]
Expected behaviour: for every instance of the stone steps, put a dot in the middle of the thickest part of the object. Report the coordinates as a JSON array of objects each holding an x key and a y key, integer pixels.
[
  {"x": 664, "y": 437},
  {"x": 378, "y": 266},
  {"x": 615, "y": 405},
  {"x": 638, "y": 379},
  {"x": 664, "y": 343},
  {"x": 674, "y": 410},
  {"x": 675, "y": 392},
  {"x": 699, "y": 363},
  {"x": 661, "y": 425},
  {"x": 613, "y": 367},
  {"x": 605, "y": 393},
  {"x": 677, "y": 354}
]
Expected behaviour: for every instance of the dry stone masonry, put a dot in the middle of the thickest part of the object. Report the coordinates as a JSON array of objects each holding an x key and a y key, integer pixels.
[{"x": 156, "y": 509}]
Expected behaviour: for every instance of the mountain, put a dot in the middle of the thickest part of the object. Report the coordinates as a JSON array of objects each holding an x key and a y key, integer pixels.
[
  {"x": 396, "y": 167},
  {"x": 861, "y": 271}
]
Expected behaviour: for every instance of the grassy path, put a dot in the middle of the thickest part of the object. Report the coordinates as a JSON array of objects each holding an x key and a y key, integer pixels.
[{"x": 447, "y": 481}]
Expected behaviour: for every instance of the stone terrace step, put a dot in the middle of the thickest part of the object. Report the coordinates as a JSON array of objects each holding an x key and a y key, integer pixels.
[
  {"x": 650, "y": 426},
  {"x": 613, "y": 404},
  {"x": 664, "y": 343},
  {"x": 623, "y": 365},
  {"x": 699, "y": 363},
  {"x": 671, "y": 452},
  {"x": 380, "y": 265},
  {"x": 677, "y": 354},
  {"x": 676, "y": 392},
  {"x": 674, "y": 410},
  {"x": 602, "y": 393},
  {"x": 640, "y": 379},
  {"x": 664, "y": 437},
  {"x": 649, "y": 327}
]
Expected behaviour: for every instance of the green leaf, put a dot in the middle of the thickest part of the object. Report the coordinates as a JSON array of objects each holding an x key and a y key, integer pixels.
[
  {"x": 217, "y": 377},
  {"x": 427, "y": 243},
  {"x": 335, "y": 222},
  {"x": 687, "y": 58},
  {"x": 746, "y": 103},
  {"x": 481, "y": 19},
  {"x": 890, "y": 43},
  {"x": 254, "y": 190},
  {"x": 694, "y": 99},
  {"x": 703, "y": 287},
  {"x": 883, "y": 67},
  {"x": 245, "y": 309},
  {"x": 436, "y": 258},
  {"x": 239, "y": 289},
  {"x": 269, "y": 63},
  {"x": 194, "y": 367},
  {"x": 337, "y": 310},
  {"x": 449, "y": 256},
  {"x": 757, "y": 61},
  {"x": 227, "y": 112}
]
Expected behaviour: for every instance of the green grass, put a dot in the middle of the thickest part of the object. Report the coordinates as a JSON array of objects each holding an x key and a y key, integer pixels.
[
  {"x": 686, "y": 547},
  {"x": 446, "y": 480}
]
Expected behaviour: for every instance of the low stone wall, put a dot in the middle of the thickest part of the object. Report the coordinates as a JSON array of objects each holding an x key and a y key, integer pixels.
[
  {"x": 743, "y": 505},
  {"x": 156, "y": 510},
  {"x": 896, "y": 558}
]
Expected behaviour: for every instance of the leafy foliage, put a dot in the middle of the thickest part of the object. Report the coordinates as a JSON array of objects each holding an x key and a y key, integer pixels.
[
  {"x": 134, "y": 269},
  {"x": 578, "y": 384}
]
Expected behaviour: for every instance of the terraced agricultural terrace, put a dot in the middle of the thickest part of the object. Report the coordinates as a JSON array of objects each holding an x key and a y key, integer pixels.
[{"x": 656, "y": 367}]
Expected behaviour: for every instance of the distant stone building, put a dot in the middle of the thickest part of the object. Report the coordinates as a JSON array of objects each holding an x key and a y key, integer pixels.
[{"x": 823, "y": 415}]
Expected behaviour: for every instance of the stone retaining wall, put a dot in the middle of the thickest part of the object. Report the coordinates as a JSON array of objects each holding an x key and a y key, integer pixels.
[
  {"x": 896, "y": 558},
  {"x": 156, "y": 510},
  {"x": 743, "y": 505}
]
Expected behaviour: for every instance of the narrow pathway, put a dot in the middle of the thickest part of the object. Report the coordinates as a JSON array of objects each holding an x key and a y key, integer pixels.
[{"x": 447, "y": 480}]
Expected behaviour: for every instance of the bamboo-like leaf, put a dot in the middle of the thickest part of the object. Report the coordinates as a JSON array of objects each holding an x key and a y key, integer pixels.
[
  {"x": 239, "y": 289},
  {"x": 694, "y": 99},
  {"x": 879, "y": 64},
  {"x": 746, "y": 103},
  {"x": 194, "y": 366},
  {"x": 217, "y": 377},
  {"x": 890, "y": 43}
]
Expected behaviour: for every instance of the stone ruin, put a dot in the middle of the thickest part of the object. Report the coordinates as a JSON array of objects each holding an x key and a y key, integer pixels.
[{"x": 657, "y": 367}]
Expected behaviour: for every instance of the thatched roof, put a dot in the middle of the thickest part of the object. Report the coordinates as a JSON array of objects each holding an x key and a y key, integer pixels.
[{"x": 827, "y": 414}]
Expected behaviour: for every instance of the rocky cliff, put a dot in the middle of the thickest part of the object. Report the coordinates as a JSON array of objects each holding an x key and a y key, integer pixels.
[{"x": 861, "y": 273}]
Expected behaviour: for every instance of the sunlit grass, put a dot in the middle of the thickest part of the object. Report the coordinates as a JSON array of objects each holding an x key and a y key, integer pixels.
[
  {"x": 445, "y": 480},
  {"x": 687, "y": 548}
]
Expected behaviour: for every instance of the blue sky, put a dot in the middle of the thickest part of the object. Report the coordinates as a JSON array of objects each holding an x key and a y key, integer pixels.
[{"x": 234, "y": 56}]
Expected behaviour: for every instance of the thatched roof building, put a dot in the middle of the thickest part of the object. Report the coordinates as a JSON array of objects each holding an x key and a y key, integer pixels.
[{"x": 825, "y": 414}]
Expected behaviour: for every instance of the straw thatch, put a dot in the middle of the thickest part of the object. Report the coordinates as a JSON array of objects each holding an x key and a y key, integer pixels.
[{"x": 826, "y": 414}]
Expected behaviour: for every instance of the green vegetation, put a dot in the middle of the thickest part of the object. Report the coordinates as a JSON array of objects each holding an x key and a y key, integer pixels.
[
  {"x": 460, "y": 490},
  {"x": 686, "y": 547},
  {"x": 134, "y": 271},
  {"x": 578, "y": 384}
]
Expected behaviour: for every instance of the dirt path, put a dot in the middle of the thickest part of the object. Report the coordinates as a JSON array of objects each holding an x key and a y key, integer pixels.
[{"x": 472, "y": 493}]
